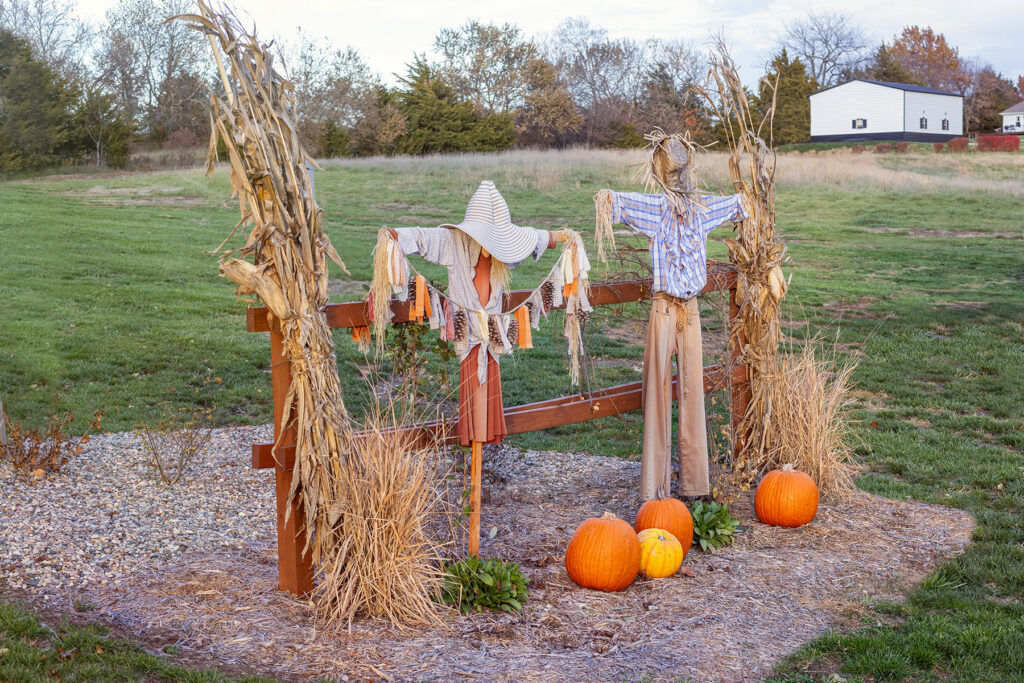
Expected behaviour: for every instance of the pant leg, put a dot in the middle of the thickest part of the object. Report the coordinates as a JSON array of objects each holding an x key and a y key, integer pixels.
[
  {"x": 694, "y": 479},
  {"x": 656, "y": 456}
]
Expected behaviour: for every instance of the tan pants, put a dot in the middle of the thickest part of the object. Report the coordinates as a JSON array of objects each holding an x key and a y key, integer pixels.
[{"x": 674, "y": 329}]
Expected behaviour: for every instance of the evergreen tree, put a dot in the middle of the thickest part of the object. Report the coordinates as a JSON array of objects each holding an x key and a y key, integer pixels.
[
  {"x": 438, "y": 121},
  {"x": 36, "y": 109},
  {"x": 885, "y": 67},
  {"x": 793, "y": 87}
]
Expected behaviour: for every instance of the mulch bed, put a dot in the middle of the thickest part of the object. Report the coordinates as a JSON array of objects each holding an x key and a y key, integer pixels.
[{"x": 742, "y": 608}]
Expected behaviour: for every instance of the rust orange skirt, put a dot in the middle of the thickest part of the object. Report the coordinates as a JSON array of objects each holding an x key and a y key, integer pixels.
[{"x": 481, "y": 414}]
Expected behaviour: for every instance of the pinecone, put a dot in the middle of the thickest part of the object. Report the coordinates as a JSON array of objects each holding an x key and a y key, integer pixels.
[
  {"x": 547, "y": 293},
  {"x": 513, "y": 332},
  {"x": 493, "y": 331},
  {"x": 412, "y": 289},
  {"x": 584, "y": 316},
  {"x": 459, "y": 323}
]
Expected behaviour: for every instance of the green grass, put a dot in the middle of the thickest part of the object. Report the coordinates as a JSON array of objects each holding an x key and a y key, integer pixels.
[
  {"x": 843, "y": 144},
  {"x": 115, "y": 306},
  {"x": 32, "y": 651}
]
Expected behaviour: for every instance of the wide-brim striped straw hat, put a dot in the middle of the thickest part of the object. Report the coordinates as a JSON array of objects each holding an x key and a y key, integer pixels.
[{"x": 488, "y": 222}]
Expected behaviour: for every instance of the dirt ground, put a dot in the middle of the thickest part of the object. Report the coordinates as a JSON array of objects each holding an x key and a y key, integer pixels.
[{"x": 742, "y": 608}]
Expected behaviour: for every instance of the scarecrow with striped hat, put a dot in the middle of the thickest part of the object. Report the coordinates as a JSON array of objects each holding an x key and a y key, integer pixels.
[
  {"x": 676, "y": 222},
  {"x": 478, "y": 253}
]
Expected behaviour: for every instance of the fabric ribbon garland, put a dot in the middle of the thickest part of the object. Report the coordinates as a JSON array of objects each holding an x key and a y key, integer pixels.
[{"x": 569, "y": 278}]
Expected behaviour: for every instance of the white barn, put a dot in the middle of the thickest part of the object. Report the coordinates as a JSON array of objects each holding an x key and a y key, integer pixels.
[
  {"x": 1013, "y": 119},
  {"x": 875, "y": 110}
]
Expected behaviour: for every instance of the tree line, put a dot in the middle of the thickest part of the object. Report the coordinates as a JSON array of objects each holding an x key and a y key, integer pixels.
[{"x": 80, "y": 93}]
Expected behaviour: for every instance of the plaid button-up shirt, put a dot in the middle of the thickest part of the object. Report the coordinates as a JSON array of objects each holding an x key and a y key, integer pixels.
[{"x": 678, "y": 247}]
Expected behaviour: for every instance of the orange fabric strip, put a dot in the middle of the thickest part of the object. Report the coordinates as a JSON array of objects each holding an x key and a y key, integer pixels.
[
  {"x": 361, "y": 334},
  {"x": 525, "y": 331},
  {"x": 421, "y": 294}
]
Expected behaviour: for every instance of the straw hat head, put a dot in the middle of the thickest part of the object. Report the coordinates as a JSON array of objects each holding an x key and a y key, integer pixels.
[{"x": 488, "y": 222}]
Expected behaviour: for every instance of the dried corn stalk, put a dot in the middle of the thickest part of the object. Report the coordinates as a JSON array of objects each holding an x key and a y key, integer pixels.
[
  {"x": 256, "y": 122},
  {"x": 757, "y": 254}
]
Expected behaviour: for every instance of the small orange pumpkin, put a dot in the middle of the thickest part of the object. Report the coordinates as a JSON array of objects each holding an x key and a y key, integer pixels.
[
  {"x": 670, "y": 514},
  {"x": 603, "y": 554},
  {"x": 786, "y": 497},
  {"x": 661, "y": 554}
]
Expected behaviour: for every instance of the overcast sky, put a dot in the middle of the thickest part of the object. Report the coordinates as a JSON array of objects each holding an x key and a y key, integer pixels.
[{"x": 387, "y": 32}]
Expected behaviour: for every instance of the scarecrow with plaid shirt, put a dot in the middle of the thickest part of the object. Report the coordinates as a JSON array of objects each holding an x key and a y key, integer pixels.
[{"x": 676, "y": 222}]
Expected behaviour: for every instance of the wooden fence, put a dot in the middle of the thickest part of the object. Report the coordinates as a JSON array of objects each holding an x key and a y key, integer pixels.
[{"x": 294, "y": 567}]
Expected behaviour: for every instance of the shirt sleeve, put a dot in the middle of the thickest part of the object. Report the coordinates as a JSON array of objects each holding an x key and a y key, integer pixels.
[
  {"x": 718, "y": 210},
  {"x": 642, "y": 212},
  {"x": 433, "y": 244},
  {"x": 543, "y": 239}
]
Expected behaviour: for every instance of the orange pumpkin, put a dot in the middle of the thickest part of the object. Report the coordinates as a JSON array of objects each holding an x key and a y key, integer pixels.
[
  {"x": 670, "y": 514},
  {"x": 603, "y": 554},
  {"x": 786, "y": 497}
]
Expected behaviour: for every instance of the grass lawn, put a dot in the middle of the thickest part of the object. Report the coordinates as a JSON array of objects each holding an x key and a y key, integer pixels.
[
  {"x": 31, "y": 651},
  {"x": 111, "y": 303}
]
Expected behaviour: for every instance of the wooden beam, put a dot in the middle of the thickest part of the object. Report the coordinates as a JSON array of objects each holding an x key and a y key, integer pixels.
[
  {"x": 355, "y": 313},
  {"x": 530, "y": 417},
  {"x": 294, "y": 567}
]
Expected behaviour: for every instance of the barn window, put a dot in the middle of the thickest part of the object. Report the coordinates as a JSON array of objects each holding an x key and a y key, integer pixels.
[
  {"x": 945, "y": 124},
  {"x": 924, "y": 123},
  {"x": 860, "y": 123}
]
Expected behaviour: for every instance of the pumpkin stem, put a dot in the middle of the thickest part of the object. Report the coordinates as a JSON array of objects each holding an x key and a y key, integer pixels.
[
  {"x": 788, "y": 467},
  {"x": 609, "y": 515}
]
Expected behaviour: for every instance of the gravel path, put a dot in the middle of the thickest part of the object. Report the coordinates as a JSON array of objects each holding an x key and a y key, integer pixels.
[
  {"x": 195, "y": 564},
  {"x": 107, "y": 514}
]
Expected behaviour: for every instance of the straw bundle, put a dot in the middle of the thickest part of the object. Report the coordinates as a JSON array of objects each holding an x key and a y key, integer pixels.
[
  {"x": 390, "y": 505},
  {"x": 289, "y": 250},
  {"x": 757, "y": 254},
  {"x": 809, "y": 422}
]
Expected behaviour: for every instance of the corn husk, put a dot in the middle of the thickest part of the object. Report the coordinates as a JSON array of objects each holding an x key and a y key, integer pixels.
[
  {"x": 757, "y": 253},
  {"x": 285, "y": 257}
]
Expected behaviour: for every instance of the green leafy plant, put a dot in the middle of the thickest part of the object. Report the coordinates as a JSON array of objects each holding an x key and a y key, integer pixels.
[
  {"x": 473, "y": 584},
  {"x": 713, "y": 526}
]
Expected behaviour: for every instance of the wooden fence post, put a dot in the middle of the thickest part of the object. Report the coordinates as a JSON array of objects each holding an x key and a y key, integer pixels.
[
  {"x": 739, "y": 376},
  {"x": 295, "y": 568}
]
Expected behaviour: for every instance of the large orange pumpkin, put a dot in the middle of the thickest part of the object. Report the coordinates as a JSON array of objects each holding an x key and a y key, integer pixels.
[
  {"x": 603, "y": 554},
  {"x": 670, "y": 514},
  {"x": 786, "y": 497}
]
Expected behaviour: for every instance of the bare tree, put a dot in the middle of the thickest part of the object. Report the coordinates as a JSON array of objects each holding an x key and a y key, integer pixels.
[
  {"x": 54, "y": 31},
  {"x": 331, "y": 86},
  {"x": 150, "y": 48},
  {"x": 486, "y": 63},
  {"x": 827, "y": 43},
  {"x": 606, "y": 77}
]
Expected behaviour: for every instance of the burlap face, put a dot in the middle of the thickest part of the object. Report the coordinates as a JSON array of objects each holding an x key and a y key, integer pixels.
[{"x": 673, "y": 165}]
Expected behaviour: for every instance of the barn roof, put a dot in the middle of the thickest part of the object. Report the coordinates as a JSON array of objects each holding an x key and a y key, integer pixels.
[
  {"x": 899, "y": 86},
  {"x": 1015, "y": 109}
]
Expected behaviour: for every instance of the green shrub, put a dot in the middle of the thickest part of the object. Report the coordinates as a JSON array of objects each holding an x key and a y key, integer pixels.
[
  {"x": 713, "y": 526},
  {"x": 334, "y": 141},
  {"x": 473, "y": 584}
]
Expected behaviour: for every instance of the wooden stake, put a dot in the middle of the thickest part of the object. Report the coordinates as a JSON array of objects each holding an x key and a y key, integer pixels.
[
  {"x": 475, "y": 476},
  {"x": 295, "y": 568},
  {"x": 740, "y": 392}
]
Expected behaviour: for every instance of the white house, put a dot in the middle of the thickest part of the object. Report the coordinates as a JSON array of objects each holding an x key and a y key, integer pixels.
[
  {"x": 875, "y": 110},
  {"x": 1013, "y": 119}
]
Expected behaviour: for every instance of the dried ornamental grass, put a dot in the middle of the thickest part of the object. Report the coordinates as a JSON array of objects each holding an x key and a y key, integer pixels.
[
  {"x": 757, "y": 254},
  {"x": 289, "y": 269},
  {"x": 390, "y": 504},
  {"x": 810, "y": 418}
]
